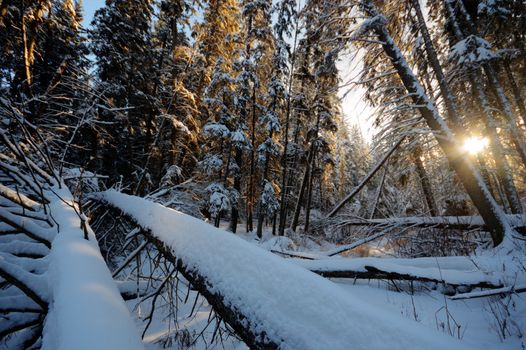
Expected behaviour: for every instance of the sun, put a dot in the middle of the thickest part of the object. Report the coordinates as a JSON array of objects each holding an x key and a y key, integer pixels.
[{"x": 475, "y": 144}]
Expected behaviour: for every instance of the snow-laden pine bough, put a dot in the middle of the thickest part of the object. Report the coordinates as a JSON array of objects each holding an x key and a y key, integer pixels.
[
  {"x": 269, "y": 301},
  {"x": 56, "y": 291}
]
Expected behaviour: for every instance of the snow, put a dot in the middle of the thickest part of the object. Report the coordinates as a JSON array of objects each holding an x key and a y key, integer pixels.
[
  {"x": 485, "y": 293},
  {"x": 28, "y": 203},
  {"x": 472, "y": 50},
  {"x": 87, "y": 311},
  {"x": 216, "y": 130},
  {"x": 211, "y": 163},
  {"x": 470, "y": 320},
  {"x": 295, "y": 308}
]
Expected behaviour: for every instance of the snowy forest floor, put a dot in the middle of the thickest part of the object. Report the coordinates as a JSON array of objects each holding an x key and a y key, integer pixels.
[{"x": 490, "y": 323}]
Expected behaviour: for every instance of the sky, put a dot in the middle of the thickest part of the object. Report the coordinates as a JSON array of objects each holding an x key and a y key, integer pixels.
[
  {"x": 356, "y": 110},
  {"x": 90, "y": 6}
]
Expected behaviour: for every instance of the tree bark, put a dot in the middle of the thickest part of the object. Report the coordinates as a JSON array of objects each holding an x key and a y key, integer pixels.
[
  {"x": 504, "y": 173},
  {"x": 234, "y": 215},
  {"x": 284, "y": 161},
  {"x": 304, "y": 182},
  {"x": 309, "y": 198},
  {"x": 447, "y": 94},
  {"x": 519, "y": 101},
  {"x": 375, "y": 273},
  {"x": 239, "y": 322}
]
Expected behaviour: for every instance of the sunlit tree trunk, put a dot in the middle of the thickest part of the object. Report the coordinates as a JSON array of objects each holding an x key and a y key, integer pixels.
[{"x": 445, "y": 90}]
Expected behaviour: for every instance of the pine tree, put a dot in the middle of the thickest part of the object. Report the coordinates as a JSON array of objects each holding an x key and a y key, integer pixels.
[
  {"x": 257, "y": 41},
  {"x": 277, "y": 98},
  {"x": 21, "y": 24},
  {"x": 215, "y": 37},
  {"x": 219, "y": 135},
  {"x": 120, "y": 42},
  {"x": 319, "y": 83}
]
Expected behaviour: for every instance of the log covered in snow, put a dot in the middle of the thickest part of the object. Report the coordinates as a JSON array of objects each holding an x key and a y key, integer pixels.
[{"x": 269, "y": 301}]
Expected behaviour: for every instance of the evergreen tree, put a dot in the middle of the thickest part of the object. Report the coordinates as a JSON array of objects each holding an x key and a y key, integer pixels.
[
  {"x": 258, "y": 42},
  {"x": 277, "y": 103},
  {"x": 120, "y": 42}
]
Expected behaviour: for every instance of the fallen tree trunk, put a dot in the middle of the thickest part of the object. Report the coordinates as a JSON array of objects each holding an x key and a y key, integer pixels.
[
  {"x": 373, "y": 273},
  {"x": 364, "y": 182},
  {"x": 453, "y": 271},
  {"x": 300, "y": 255},
  {"x": 261, "y": 296},
  {"x": 489, "y": 293},
  {"x": 516, "y": 221}
]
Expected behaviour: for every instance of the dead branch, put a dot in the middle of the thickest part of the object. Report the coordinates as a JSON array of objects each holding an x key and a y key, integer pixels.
[{"x": 369, "y": 176}]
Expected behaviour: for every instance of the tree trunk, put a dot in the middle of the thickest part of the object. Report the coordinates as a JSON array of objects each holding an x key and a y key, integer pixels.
[
  {"x": 304, "y": 183},
  {"x": 251, "y": 195},
  {"x": 234, "y": 215},
  {"x": 425, "y": 183},
  {"x": 284, "y": 160},
  {"x": 27, "y": 56},
  {"x": 261, "y": 213},
  {"x": 519, "y": 101},
  {"x": 309, "y": 198},
  {"x": 378, "y": 194},
  {"x": 504, "y": 173},
  {"x": 447, "y": 94}
]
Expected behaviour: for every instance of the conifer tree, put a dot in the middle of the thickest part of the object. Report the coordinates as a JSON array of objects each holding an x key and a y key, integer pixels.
[
  {"x": 120, "y": 42},
  {"x": 257, "y": 42}
]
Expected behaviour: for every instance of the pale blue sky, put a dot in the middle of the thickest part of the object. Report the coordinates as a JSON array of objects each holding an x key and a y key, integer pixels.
[{"x": 90, "y": 6}]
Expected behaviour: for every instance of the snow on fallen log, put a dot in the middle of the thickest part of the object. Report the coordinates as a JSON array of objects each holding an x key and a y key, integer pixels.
[
  {"x": 277, "y": 303},
  {"x": 455, "y": 271},
  {"x": 445, "y": 222},
  {"x": 294, "y": 254},
  {"x": 493, "y": 292},
  {"x": 87, "y": 311}
]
